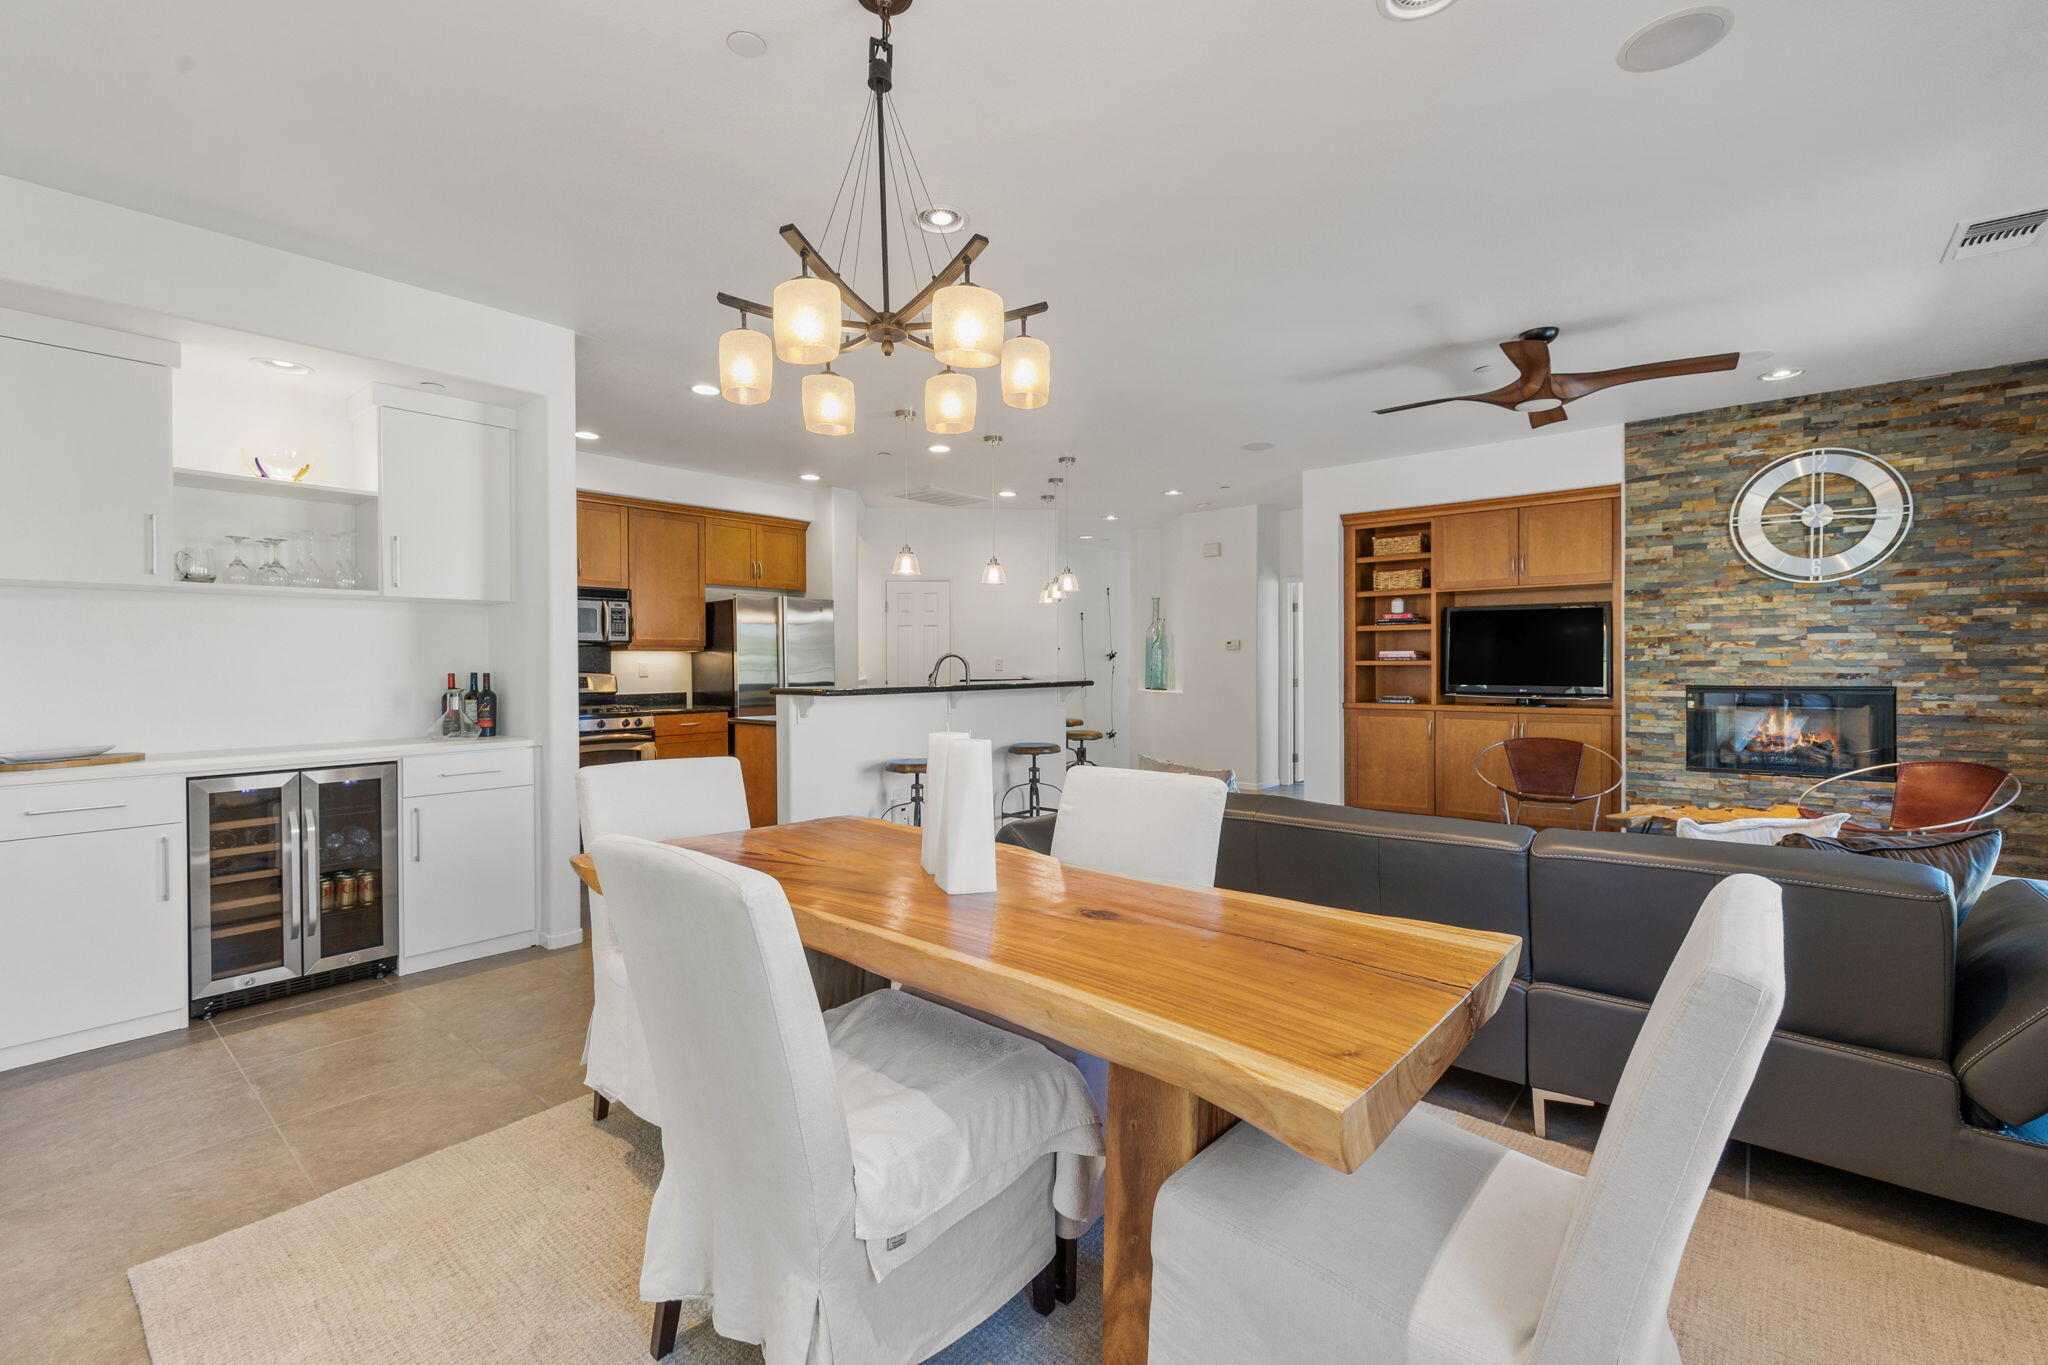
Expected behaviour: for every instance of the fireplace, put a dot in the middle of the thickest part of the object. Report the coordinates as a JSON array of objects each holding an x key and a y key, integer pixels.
[{"x": 1802, "y": 731}]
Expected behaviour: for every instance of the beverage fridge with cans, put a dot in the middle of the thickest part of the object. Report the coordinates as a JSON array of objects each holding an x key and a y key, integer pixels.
[{"x": 292, "y": 885}]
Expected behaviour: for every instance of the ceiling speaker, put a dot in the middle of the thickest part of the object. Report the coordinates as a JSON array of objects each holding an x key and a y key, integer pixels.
[
  {"x": 1675, "y": 38},
  {"x": 1412, "y": 9}
]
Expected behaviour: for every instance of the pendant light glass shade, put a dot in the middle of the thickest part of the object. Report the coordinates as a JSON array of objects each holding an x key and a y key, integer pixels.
[
  {"x": 1067, "y": 582},
  {"x": 746, "y": 366},
  {"x": 992, "y": 573},
  {"x": 828, "y": 403},
  {"x": 1027, "y": 372},
  {"x": 806, "y": 322},
  {"x": 949, "y": 403},
  {"x": 1045, "y": 595},
  {"x": 967, "y": 326},
  {"x": 906, "y": 565}
]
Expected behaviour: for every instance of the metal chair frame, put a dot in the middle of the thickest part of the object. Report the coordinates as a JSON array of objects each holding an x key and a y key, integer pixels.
[
  {"x": 2010, "y": 780},
  {"x": 1524, "y": 799}
]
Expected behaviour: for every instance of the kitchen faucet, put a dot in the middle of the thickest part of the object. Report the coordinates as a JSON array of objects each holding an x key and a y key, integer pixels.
[{"x": 966, "y": 669}]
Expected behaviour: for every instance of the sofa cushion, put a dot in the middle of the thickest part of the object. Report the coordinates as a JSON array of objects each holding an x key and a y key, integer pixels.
[
  {"x": 1968, "y": 858},
  {"x": 2002, "y": 1002}
]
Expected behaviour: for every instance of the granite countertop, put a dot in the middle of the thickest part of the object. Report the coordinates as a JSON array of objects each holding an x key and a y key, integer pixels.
[{"x": 994, "y": 685}]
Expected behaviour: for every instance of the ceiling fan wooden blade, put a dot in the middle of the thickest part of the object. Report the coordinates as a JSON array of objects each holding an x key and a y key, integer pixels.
[
  {"x": 1503, "y": 397},
  {"x": 1547, "y": 416},
  {"x": 1532, "y": 362},
  {"x": 1570, "y": 386}
]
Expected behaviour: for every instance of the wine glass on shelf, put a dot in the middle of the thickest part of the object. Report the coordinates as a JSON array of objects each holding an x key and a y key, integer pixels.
[
  {"x": 320, "y": 559},
  {"x": 345, "y": 575},
  {"x": 272, "y": 571},
  {"x": 238, "y": 570}
]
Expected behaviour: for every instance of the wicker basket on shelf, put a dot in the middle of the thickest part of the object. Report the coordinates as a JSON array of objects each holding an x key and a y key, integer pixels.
[
  {"x": 1401, "y": 543},
  {"x": 1398, "y": 580}
]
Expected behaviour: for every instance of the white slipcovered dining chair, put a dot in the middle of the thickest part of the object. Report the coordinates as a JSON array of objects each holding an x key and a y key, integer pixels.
[
  {"x": 860, "y": 1187},
  {"x": 1447, "y": 1248},
  {"x": 1163, "y": 827},
  {"x": 665, "y": 798}
]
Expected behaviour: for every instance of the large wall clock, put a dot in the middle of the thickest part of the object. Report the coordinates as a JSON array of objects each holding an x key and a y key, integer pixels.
[{"x": 1821, "y": 515}]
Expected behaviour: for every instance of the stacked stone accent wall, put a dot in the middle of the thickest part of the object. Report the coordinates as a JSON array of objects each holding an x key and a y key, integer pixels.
[{"x": 1956, "y": 620}]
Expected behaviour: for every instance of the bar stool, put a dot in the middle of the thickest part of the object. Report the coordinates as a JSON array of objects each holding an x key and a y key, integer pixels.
[
  {"x": 1072, "y": 721},
  {"x": 1034, "y": 800},
  {"x": 915, "y": 805},
  {"x": 1079, "y": 739}
]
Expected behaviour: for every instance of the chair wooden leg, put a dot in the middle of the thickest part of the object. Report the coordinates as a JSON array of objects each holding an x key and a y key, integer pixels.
[
  {"x": 668, "y": 1317},
  {"x": 1042, "y": 1288},
  {"x": 1540, "y": 1099},
  {"x": 1066, "y": 1263},
  {"x": 600, "y": 1107}
]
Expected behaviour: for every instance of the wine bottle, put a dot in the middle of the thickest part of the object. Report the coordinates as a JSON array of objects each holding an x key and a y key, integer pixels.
[
  {"x": 487, "y": 709},
  {"x": 451, "y": 700},
  {"x": 469, "y": 702}
]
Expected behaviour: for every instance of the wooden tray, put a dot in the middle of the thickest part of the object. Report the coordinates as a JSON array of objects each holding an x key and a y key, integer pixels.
[{"x": 95, "y": 761}]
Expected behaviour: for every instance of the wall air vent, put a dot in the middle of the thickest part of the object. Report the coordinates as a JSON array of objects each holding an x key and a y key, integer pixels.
[
  {"x": 1993, "y": 235},
  {"x": 934, "y": 496}
]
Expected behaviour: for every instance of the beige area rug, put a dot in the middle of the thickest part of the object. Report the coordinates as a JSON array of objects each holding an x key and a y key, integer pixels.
[{"x": 524, "y": 1244}]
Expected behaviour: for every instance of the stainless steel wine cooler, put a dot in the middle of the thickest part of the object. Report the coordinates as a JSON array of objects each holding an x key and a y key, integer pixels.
[{"x": 293, "y": 881}]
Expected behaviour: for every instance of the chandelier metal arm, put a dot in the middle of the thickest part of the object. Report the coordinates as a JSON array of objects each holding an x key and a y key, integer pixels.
[
  {"x": 759, "y": 310},
  {"x": 1029, "y": 310},
  {"x": 949, "y": 272},
  {"x": 802, "y": 247}
]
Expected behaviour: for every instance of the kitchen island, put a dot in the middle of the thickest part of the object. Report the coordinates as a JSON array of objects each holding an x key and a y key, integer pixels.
[{"x": 833, "y": 741}]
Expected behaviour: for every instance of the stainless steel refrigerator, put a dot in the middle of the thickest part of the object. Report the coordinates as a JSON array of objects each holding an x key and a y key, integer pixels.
[{"x": 757, "y": 641}]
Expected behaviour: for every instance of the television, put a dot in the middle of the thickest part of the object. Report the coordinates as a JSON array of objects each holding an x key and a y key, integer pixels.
[{"x": 1550, "y": 650}]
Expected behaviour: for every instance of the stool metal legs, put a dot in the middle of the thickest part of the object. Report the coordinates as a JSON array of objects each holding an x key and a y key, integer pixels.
[
  {"x": 915, "y": 805},
  {"x": 1034, "y": 788}
]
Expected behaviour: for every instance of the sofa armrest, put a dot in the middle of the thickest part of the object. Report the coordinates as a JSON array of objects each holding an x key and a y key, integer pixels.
[
  {"x": 2002, "y": 1002},
  {"x": 1034, "y": 833}
]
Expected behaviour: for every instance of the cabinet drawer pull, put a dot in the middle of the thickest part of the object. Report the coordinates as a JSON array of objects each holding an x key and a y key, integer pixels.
[
  {"x": 394, "y": 561},
  {"x": 149, "y": 543},
  {"x": 73, "y": 810},
  {"x": 415, "y": 833},
  {"x": 163, "y": 847},
  {"x": 472, "y": 772}
]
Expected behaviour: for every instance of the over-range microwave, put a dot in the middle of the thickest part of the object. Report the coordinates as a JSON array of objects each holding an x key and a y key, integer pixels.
[{"x": 603, "y": 621}]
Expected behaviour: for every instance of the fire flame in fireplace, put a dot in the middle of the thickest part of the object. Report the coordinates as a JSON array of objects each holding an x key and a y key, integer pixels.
[{"x": 1785, "y": 732}]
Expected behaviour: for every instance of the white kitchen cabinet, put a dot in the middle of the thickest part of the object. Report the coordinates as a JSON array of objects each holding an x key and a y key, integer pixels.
[
  {"x": 85, "y": 453},
  {"x": 445, "y": 475},
  {"x": 468, "y": 876},
  {"x": 95, "y": 926}
]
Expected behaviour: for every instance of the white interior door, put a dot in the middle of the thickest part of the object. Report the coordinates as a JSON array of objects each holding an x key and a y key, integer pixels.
[{"x": 920, "y": 626}]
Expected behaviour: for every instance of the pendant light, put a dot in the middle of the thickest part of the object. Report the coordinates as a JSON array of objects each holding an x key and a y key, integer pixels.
[
  {"x": 967, "y": 325},
  {"x": 906, "y": 565},
  {"x": 807, "y": 312},
  {"x": 1051, "y": 593},
  {"x": 992, "y": 573},
  {"x": 1067, "y": 582},
  {"x": 1027, "y": 371},
  {"x": 828, "y": 403},
  {"x": 949, "y": 403},
  {"x": 746, "y": 364}
]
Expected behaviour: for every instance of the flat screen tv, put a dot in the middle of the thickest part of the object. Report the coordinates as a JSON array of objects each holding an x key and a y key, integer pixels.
[{"x": 1534, "y": 651}]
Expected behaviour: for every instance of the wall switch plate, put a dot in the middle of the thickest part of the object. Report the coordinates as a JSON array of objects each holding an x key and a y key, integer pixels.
[
  {"x": 1233, "y": 645},
  {"x": 999, "y": 667},
  {"x": 1211, "y": 549},
  {"x": 643, "y": 668}
]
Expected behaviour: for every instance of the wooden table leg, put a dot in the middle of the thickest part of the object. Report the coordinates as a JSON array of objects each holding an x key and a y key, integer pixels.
[
  {"x": 1154, "y": 1130},
  {"x": 838, "y": 981}
]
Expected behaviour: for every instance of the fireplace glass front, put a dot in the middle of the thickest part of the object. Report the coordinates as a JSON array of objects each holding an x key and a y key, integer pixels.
[{"x": 1809, "y": 731}]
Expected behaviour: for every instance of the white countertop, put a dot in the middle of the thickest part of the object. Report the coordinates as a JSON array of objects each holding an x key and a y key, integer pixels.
[{"x": 202, "y": 762}]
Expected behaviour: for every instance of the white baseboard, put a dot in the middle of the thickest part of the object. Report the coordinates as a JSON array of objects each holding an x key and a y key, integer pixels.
[
  {"x": 568, "y": 938},
  {"x": 85, "y": 1040},
  {"x": 467, "y": 952}
]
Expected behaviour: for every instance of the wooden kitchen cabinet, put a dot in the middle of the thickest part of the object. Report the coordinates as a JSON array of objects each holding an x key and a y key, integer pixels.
[
  {"x": 1460, "y": 740},
  {"x": 754, "y": 552},
  {"x": 1389, "y": 761},
  {"x": 781, "y": 553},
  {"x": 665, "y": 570},
  {"x": 691, "y": 734},
  {"x": 600, "y": 544},
  {"x": 729, "y": 552},
  {"x": 1476, "y": 549},
  {"x": 753, "y": 744},
  {"x": 1567, "y": 542}
]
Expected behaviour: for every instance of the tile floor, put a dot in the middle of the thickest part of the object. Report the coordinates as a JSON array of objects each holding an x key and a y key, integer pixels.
[{"x": 111, "y": 1158}]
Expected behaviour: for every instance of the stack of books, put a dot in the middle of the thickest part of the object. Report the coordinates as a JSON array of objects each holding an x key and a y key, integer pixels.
[
  {"x": 1400, "y": 655},
  {"x": 1399, "y": 618}
]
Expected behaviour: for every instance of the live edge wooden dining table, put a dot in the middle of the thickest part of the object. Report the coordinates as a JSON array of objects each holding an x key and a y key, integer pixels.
[{"x": 1321, "y": 1027}]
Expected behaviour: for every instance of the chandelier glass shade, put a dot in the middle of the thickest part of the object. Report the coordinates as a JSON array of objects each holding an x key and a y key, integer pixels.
[
  {"x": 746, "y": 366},
  {"x": 828, "y": 403},
  {"x": 906, "y": 565},
  {"x": 824, "y": 312},
  {"x": 949, "y": 403},
  {"x": 1027, "y": 372}
]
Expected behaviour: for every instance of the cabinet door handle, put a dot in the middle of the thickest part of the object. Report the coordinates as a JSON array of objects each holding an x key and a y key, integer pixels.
[
  {"x": 163, "y": 848},
  {"x": 73, "y": 810},
  {"x": 291, "y": 860},
  {"x": 415, "y": 833},
  {"x": 149, "y": 543},
  {"x": 470, "y": 772},
  {"x": 1431, "y": 732},
  {"x": 394, "y": 561}
]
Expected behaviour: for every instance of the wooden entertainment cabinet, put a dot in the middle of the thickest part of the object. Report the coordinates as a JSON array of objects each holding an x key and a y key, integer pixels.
[{"x": 1418, "y": 756}]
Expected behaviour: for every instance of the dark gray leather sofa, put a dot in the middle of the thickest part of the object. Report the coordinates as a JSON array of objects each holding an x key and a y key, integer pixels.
[{"x": 1904, "y": 1045}]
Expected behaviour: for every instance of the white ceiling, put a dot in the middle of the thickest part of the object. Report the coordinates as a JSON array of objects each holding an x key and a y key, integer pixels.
[{"x": 1253, "y": 223}]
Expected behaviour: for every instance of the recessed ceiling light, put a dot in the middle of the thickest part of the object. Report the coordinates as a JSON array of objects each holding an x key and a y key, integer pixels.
[
  {"x": 705, "y": 390},
  {"x": 1411, "y": 9},
  {"x": 1200, "y": 505},
  {"x": 1007, "y": 493},
  {"x": 940, "y": 218},
  {"x": 432, "y": 384},
  {"x": 744, "y": 44},
  {"x": 1173, "y": 492},
  {"x": 1674, "y": 39},
  {"x": 1773, "y": 376},
  {"x": 586, "y": 436},
  {"x": 808, "y": 478},
  {"x": 1109, "y": 516},
  {"x": 1257, "y": 445},
  {"x": 279, "y": 366},
  {"x": 940, "y": 450},
  {"x": 1084, "y": 537}
]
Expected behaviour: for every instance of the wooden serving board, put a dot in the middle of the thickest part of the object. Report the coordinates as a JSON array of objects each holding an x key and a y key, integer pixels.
[{"x": 95, "y": 761}]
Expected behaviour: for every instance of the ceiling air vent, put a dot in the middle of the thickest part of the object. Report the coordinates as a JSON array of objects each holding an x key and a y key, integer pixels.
[
  {"x": 935, "y": 496},
  {"x": 1993, "y": 235},
  {"x": 1411, "y": 9}
]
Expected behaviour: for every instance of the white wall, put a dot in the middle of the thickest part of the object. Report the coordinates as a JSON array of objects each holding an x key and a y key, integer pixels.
[
  {"x": 1571, "y": 457},
  {"x": 1006, "y": 623},
  {"x": 165, "y": 671}
]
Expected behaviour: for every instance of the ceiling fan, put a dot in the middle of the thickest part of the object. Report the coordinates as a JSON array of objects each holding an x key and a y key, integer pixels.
[{"x": 1542, "y": 394}]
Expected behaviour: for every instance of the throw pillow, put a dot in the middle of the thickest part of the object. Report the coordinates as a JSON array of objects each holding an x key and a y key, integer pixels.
[
  {"x": 1967, "y": 856},
  {"x": 1761, "y": 829},
  {"x": 1227, "y": 776}
]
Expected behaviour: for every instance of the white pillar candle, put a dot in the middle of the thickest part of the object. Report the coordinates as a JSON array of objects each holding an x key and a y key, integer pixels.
[
  {"x": 967, "y": 863},
  {"x": 934, "y": 794}
]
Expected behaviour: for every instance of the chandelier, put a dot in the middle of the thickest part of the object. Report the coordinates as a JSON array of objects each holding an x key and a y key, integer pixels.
[{"x": 960, "y": 323}]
